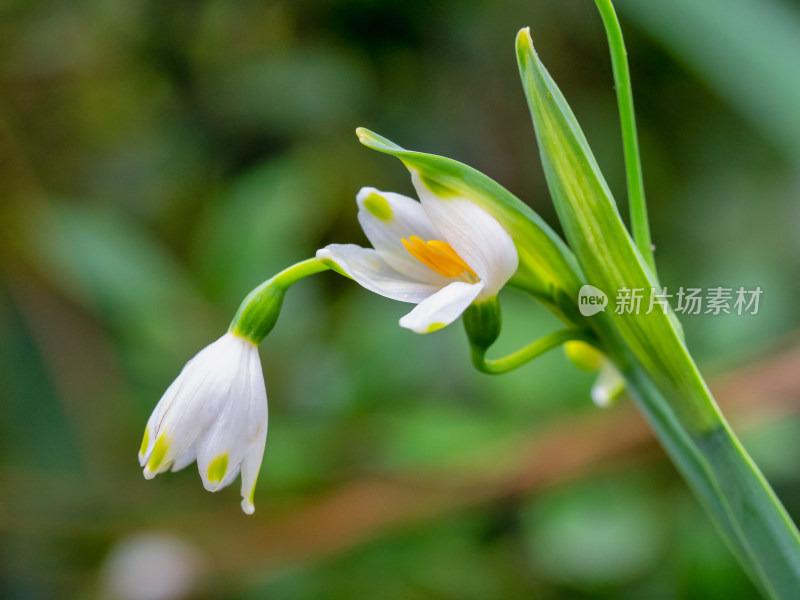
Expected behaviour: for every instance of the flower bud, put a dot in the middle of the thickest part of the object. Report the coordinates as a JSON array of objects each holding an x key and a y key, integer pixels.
[
  {"x": 482, "y": 321},
  {"x": 259, "y": 311}
]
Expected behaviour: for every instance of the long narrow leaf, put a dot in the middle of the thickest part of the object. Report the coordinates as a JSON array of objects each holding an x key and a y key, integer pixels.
[
  {"x": 605, "y": 251},
  {"x": 660, "y": 374}
]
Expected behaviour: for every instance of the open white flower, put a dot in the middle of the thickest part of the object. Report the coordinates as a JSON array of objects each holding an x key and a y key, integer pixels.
[
  {"x": 215, "y": 412},
  {"x": 442, "y": 254}
]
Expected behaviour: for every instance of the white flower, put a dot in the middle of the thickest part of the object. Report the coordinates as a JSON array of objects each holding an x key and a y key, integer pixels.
[
  {"x": 442, "y": 254},
  {"x": 215, "y": 412}
]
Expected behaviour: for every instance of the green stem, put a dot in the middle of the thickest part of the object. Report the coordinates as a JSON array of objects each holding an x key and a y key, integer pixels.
[
  {"x": 259, "y": 311},
  {"x": 732, "y": 489},
  {"x": 298, "y": 271},
  {"x": 630, "y": 143},
  {"x": 527, "y": 353}
]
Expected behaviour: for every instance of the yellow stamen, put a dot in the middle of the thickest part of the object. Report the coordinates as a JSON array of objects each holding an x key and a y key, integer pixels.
[
  {"x": 437, "y": 255},
  {"x": 448, "y": 251}
]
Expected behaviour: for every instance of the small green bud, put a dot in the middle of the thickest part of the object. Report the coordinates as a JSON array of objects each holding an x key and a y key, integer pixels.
[
  {"x": 482, "y": 321},
  {"x": 259, "y": 311},
  {"x": 583, "y": 355}
]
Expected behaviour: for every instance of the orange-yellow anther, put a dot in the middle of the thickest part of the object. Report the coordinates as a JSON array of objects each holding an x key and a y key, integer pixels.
[{"x": 437, "y": 255}]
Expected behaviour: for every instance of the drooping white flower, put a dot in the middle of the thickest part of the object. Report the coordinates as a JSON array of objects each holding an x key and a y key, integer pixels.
[
  {"x": 442, "y": 254},
  {"x": 215, "y": 412}
]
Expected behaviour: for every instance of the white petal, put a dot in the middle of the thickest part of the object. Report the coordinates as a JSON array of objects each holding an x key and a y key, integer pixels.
[
  {"x": 250, "y": 467},
  {"x": 367, "y": 268},
  {"x": 254, "y": 452},
  {"x": 185, "y": 459},
  {"x": 157, "y": 416},
  {"x": 474, "y": 234},
  {"x": 386, "y": 219},
  {"x": 222, "y": 448},
  {"x": 181, "y": 390},
  {"x": 442, "y": 308},
  {"x": 193, "y": 401}
]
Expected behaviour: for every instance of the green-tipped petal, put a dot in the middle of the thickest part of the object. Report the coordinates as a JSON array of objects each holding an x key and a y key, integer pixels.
[{"x": 442, "y": 308}]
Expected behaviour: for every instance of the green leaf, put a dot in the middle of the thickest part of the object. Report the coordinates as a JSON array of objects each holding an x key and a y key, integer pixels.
[
  {"x": 661, "y": 375},
  {"x": 605, "y": 251}
]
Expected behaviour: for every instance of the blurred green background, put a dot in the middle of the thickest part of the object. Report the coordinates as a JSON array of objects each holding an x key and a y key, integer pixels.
[{"x": 159, "y": 158}]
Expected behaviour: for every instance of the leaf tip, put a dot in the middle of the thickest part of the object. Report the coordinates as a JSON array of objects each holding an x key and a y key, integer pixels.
[
  {"x": 363, "y": 134},
  {"x": 372, "y": 140},
  {"x": 525, "y": 49}
]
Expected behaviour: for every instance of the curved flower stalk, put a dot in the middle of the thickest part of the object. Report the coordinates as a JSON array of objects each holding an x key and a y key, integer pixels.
[
  {"x": 215, "y": 412},
  {"x": 442, "y": 254}
]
